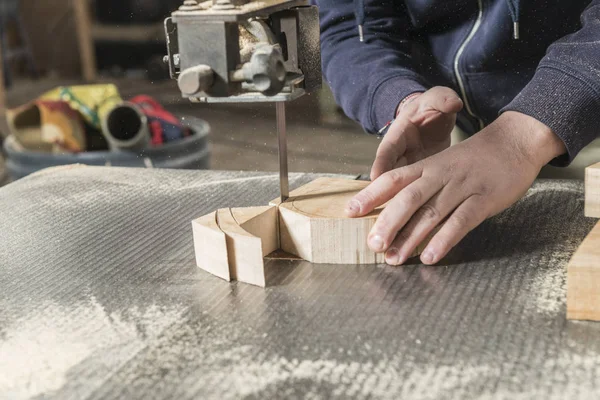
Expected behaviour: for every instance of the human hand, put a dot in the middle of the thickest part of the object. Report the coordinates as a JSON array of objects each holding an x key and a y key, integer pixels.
[
  {"x": 461, "y": 187},
  {"x": 422, "y": 128}
]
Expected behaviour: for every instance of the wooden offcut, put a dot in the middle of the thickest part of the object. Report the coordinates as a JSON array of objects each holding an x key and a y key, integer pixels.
[
  {"x": 311, "y": 224},
  {"x": 210, "y": 246},
  {"x": 592, "y": 191},
  {"x": 583, "y": 271},
  {"x": 583, "y": 279},
  {"x": 231, "y": 243},
  {"x": 249, "y": 241}
]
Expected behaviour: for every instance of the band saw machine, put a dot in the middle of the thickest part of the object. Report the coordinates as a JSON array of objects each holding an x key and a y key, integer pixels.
[{"x": 229, "y": 51}]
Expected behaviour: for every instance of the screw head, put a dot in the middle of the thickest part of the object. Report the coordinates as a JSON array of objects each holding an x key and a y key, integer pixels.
[{"x": 175, "y": 59}]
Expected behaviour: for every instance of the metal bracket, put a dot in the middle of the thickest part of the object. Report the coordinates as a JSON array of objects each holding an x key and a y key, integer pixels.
[
  {"x": 172, "y": 57},
  {"x": 291, "y": 91}
]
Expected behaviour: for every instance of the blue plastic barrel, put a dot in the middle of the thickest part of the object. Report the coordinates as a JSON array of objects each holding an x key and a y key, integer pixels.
[{"x": 191, "y": 152}]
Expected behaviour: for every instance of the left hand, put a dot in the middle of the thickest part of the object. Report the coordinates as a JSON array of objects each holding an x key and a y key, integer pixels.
[{"x": 462, "y": 186}]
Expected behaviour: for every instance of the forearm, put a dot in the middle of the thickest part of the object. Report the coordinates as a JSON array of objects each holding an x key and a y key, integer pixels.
[
  {"x": 368, "y": 78},
  {"x": 564, "y": 93},
  {"x": 532, "y": 139}
]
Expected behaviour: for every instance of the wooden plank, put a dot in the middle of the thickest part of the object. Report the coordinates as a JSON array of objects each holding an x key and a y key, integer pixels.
[
  {"x": 83, "y": 27},
  {"x": 210, "y": 246},
  {"x": 245, "y": 250},
  {"x": 583, "y": 279},
  {"x": 592, "y": 191}
]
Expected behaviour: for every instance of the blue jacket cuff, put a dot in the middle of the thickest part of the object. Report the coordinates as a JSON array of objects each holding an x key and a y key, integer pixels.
[
  {"x": 386, "y": 97},
  {"x": 566, "y": 102}
]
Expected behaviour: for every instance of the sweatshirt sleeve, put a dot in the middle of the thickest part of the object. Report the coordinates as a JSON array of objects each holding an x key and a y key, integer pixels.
[
  {"x": 369, "y": 78},
  {"x": 564, "y": 93}
]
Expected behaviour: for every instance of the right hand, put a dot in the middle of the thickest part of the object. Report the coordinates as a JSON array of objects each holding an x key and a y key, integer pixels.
[{"x": 422, "y": 128}]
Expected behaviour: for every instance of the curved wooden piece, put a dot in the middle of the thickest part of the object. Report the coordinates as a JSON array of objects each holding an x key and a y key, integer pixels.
[
  {"x": 210, "y": 246},
  {"x": 249, "y": 241},
  {"x": 583, "y": 279},
  {"x": 260, "y": 222}
]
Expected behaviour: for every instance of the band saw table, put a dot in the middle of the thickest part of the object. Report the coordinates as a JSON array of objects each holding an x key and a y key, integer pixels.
[{"x": 100, "y": 298}]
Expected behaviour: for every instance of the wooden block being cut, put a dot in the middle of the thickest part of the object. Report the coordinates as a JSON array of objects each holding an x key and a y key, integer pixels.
[
  {"x": 313, "y": 224},
  {"x": 592, "y": 191},
  {"x": 232, "y": 243},
  {"x": 249, "y": 241},
  {"x": 583, "y": 279},
  {"x": 210, "y": 246}
]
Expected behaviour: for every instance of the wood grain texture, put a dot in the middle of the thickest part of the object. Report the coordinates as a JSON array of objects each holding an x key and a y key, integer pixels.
[
  {"x": 261, "y": 222},
  {"x": 210, "y": 246},
  {"x": 314, "y": 226},
  {"x": 311, "y": 224},
  {"x": 249, "y": 242},
  {"x": 583, "y": 279},
  {"x": 592, "y": 191},
  {"x": 294, "y": 233}
]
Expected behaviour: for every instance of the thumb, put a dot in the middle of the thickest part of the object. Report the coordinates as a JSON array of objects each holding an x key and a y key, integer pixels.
[
  {"x": 439, "y": 98},
  {"x": 390, "y": 153}
]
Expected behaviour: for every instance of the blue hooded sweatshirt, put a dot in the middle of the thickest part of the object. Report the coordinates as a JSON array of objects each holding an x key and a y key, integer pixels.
[{"x": 540, "y": 58}]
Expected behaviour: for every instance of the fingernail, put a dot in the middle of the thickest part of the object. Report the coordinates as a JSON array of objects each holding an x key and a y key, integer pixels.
[
  {"x": 353, "y": 207},
  {"x": 392, "y": 257},
  {"x": 427, "y": 256},
  {"x": 401, "y": 259},
  {"x": 376, "y": 243}
]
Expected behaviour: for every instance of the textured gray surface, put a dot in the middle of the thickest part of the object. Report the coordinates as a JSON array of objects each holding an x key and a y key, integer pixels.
[{"x": 100, "y": 298}]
